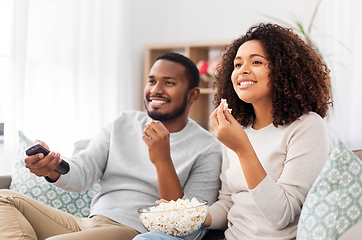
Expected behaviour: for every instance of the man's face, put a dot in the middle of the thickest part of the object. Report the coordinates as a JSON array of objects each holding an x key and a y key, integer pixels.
[{"x": 166, "y": 93}]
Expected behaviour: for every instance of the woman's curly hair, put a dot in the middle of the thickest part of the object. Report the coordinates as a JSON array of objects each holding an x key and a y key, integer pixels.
[{"x": 299, "y": 78}]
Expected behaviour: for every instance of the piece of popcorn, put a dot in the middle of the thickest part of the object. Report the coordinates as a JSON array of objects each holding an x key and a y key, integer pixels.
[{"x": 226, "y": 105}]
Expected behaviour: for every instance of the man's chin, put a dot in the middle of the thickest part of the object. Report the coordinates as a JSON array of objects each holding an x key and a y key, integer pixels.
[
  {"x": 155, "y": 115},
  {"x": 165, "y": 115},
  {"x": 158, "y": 118}
]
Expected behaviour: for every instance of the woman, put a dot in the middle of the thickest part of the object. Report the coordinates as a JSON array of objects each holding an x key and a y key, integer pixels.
[{"x": 275, "y": 139}]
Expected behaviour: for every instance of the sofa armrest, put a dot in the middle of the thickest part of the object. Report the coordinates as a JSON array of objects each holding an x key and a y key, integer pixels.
[
  {"x": 5, "y": 180},
  {"x": 358, "y": 153},
  {"x": 354, "y": 233}
]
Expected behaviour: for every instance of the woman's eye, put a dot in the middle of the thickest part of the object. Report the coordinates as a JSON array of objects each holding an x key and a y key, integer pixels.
[
  {"x": 257, "y": 62},
  {"x": 237, "y": 65}
]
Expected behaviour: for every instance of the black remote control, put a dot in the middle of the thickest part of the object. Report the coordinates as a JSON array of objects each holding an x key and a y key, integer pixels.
[{"x": 62, "y": 168}]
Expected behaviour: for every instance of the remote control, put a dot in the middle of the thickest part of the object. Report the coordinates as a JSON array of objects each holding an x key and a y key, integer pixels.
[{"x": 62, "y": 168}]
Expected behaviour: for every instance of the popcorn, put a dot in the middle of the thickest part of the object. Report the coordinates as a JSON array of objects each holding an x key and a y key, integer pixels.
[
  {"x": 177, "y": 218},
  {"x": 223, "y": 101}
]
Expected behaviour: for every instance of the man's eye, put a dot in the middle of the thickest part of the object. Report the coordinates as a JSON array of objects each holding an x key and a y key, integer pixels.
[
  {"x": 151, "y": 81},
  {"x": 170, "y": 83}
]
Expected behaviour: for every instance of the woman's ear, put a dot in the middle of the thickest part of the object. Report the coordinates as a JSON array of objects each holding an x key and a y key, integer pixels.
[{"x": 194, "y": 94}]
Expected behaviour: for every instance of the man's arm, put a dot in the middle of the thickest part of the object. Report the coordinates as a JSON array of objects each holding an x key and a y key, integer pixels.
[{"x": 157, "y": 138}]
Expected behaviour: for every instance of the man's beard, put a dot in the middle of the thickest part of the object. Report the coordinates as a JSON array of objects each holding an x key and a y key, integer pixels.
[{"x": 178, "y": 111}]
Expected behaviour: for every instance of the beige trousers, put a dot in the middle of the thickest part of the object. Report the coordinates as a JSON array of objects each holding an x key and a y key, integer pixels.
[{"x": 22, "y": 217}]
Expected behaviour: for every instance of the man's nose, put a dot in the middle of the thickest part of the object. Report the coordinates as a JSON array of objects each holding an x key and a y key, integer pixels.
[{"x": 157, "y": 88}]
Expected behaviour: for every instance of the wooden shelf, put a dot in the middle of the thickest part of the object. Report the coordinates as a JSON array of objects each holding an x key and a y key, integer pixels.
[
  {"x": 207, "y": 91},
  {"x": 202, "y": 108}
]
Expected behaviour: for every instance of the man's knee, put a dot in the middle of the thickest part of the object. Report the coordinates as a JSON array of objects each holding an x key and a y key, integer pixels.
[
  {"x": 7, "y": 195},
  {"x": 5, "y": 192}
]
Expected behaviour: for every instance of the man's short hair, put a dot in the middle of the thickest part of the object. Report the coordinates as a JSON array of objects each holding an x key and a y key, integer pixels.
[{"x": 192, "y": 72}]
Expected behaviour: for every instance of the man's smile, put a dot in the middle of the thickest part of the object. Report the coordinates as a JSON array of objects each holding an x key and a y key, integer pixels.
[{"x": 157, "y": 102}]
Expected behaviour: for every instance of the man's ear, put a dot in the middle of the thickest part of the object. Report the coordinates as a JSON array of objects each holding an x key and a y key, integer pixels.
[{"x": 194, "y": 94}]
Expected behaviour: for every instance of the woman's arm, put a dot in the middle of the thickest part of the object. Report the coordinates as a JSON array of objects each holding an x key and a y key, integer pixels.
[{"x": 232, "y": 135}]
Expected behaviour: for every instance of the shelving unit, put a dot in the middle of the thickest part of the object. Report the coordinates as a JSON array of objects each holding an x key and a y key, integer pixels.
[{"x": 202, "y": 108}]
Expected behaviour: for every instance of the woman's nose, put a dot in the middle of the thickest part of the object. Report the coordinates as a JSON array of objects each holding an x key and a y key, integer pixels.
[{"x": 244, "y": 69}]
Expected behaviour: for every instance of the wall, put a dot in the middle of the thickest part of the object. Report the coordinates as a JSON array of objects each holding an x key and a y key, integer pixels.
[{"x": 339, "y": 38}]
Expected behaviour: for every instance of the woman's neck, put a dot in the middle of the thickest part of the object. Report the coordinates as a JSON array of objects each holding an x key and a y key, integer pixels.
[{"x": 263, "y": 117}]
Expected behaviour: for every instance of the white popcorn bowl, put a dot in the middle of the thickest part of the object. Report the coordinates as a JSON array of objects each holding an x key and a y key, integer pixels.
[{"x": 178, "y": 223}]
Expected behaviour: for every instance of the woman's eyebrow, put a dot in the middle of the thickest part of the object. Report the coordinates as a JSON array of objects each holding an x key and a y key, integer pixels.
[
  {"x": 251, "y": 55},
  {"x": 257, "y": 55}
]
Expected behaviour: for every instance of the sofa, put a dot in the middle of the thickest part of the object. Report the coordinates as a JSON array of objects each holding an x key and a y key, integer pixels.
[{"x": 23, "y": 181}]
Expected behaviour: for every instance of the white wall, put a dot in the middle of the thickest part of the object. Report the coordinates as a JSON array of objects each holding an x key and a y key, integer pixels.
[
  {"x": 168, "y": 21},
  {"x": 339, "y": 37}
]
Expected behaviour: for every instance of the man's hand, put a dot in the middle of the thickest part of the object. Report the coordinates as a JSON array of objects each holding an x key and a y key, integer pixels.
[
  {"x": 43, "y": 166},
  {"x": 157, "y": 138}
]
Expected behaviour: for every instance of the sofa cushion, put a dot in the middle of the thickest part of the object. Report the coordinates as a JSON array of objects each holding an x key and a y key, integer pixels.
[
  {"x": 23, "y": 181},
  {"x": 334, "y": 203}
]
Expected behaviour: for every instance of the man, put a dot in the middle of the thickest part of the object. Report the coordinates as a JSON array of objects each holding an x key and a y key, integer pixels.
[{"x": 139, "y": 158}]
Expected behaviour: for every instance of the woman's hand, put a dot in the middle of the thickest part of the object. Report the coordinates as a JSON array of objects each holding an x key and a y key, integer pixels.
[
  {"x": 227, "y": 129},
  {"x": 208, "y": 221},
  {"x": 233, "y": 136}
]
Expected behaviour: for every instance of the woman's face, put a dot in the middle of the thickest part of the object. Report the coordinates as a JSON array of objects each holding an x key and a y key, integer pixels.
[{"x": 250, "y": 76}]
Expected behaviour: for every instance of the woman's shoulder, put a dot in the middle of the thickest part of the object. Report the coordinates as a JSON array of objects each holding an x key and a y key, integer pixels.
[
  {"x": 310, "y": 117},
  {"x": 311, "y": 121}
]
